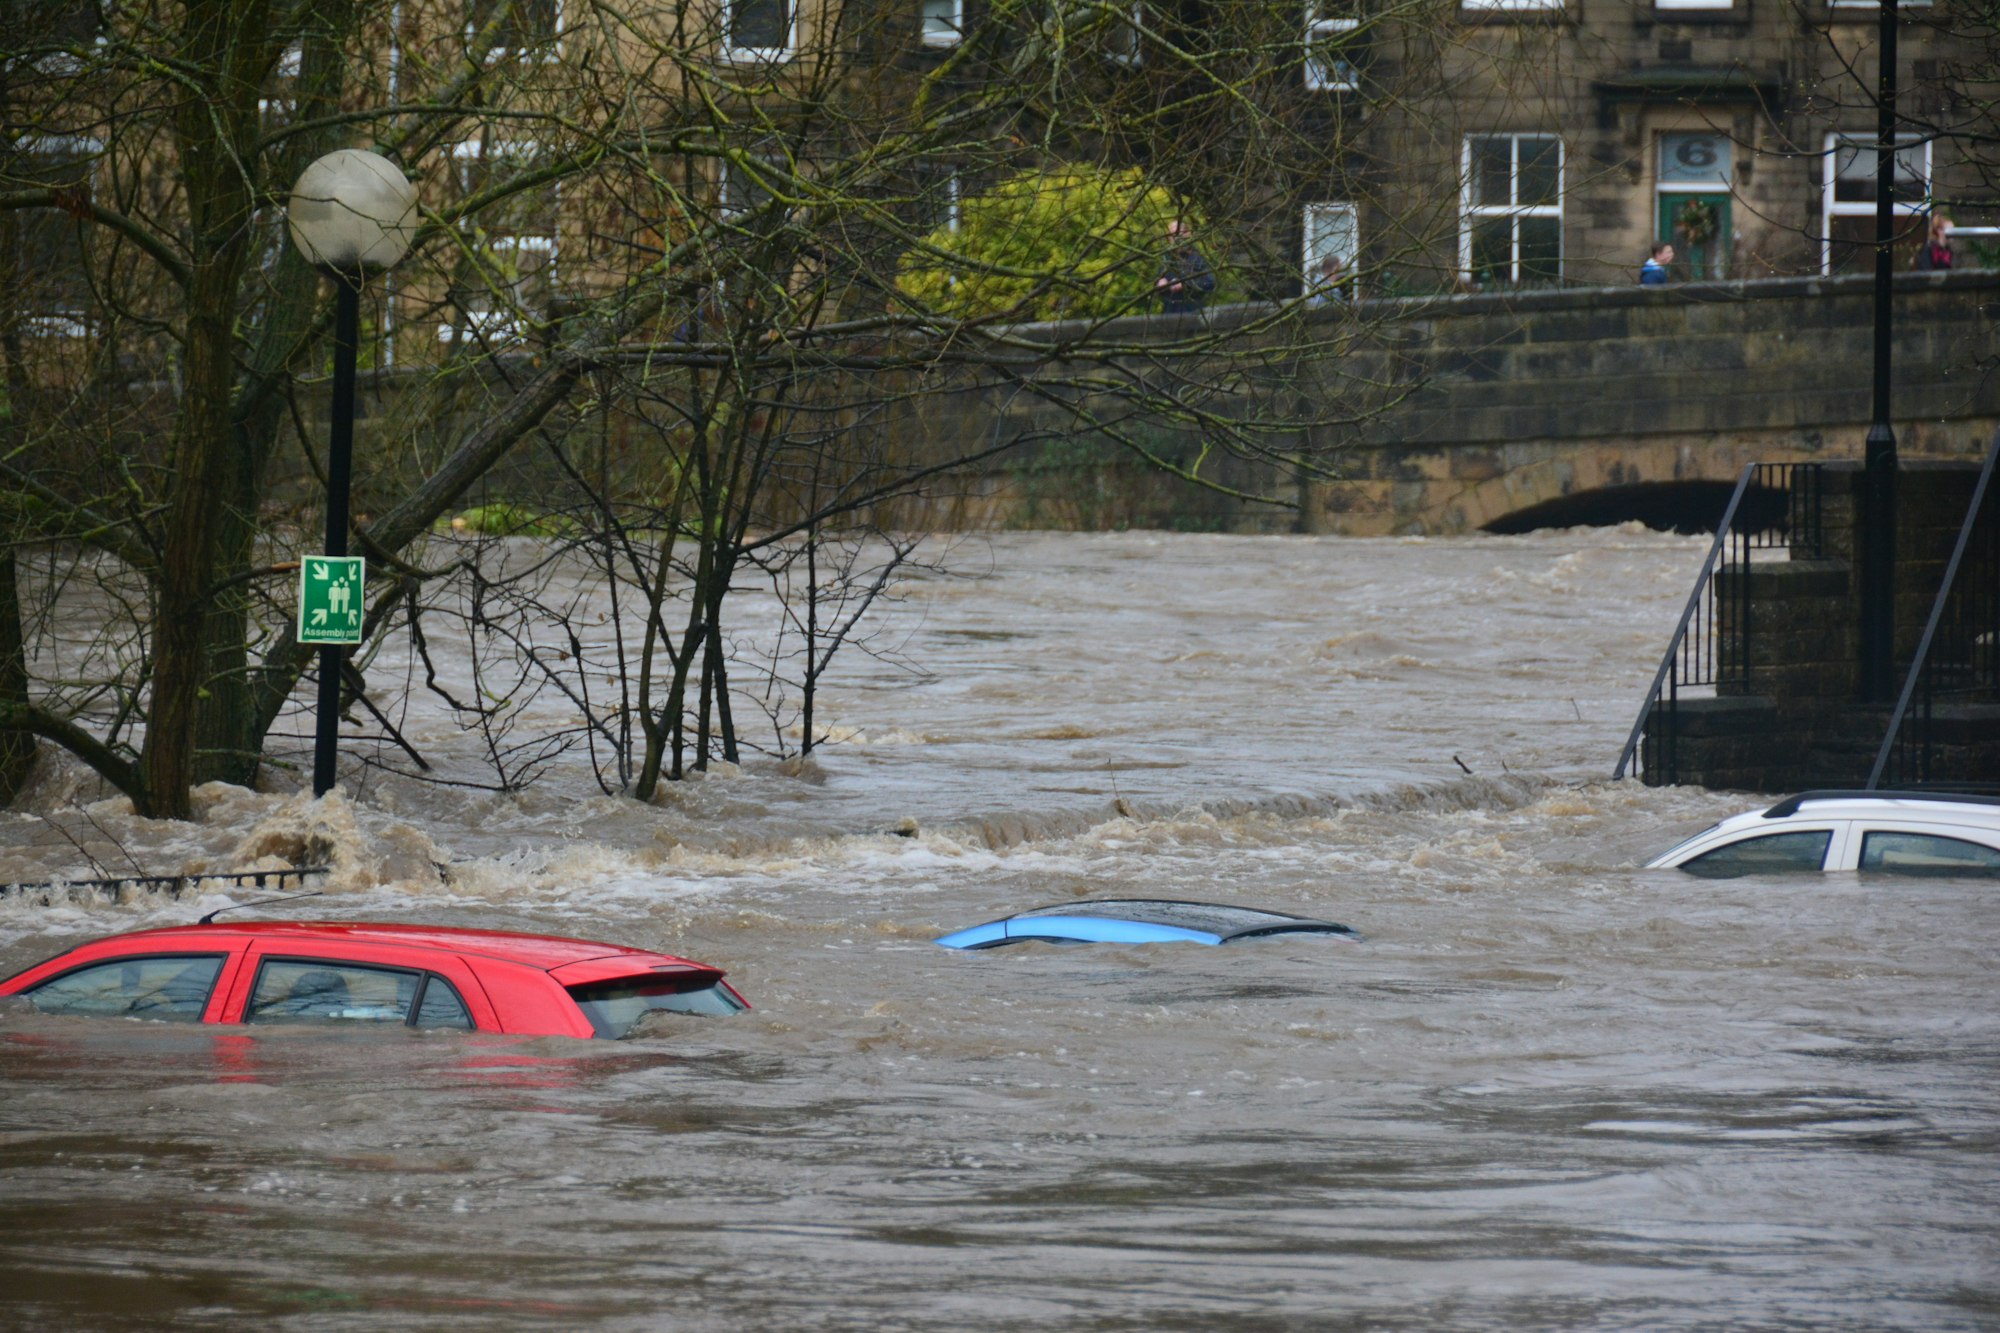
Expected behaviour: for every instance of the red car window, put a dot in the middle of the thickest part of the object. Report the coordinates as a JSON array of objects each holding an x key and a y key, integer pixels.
[
  {"x": 170, "y": 987},
  {"x": 439, "y": 1006},
  {"x": 320, "y": 990},
  {"x": 314, "y": 990}
]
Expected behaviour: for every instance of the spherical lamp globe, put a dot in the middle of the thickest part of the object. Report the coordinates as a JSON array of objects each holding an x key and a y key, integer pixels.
[{"x": 353, "y": 213}]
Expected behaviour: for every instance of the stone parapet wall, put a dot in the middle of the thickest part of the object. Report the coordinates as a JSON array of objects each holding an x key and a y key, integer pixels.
[
  {"x": 1556, "y": 394},
  {"x": 1446, "y": 414},
  {"x": 1453, "y": 414}
]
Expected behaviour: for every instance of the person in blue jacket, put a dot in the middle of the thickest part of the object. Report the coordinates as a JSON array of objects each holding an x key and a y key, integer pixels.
[
  {"x": 1188, "y": 279},
  {"x": 1653, "y": 273}
]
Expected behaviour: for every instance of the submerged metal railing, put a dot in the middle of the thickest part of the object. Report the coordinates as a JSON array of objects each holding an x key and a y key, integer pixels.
[
  {"x": 1775, "y": 506},
  {"x": 1959, "y": 654},
  {"x": 115, "y": 888}
]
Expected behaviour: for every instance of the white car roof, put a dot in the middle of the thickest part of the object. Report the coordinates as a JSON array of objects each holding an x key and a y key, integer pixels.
[{"x": 1907, "y": 807}]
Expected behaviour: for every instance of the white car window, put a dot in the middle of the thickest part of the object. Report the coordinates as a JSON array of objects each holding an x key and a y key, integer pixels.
[
  {"x": 1888, "y": 852},
  {"x": 1765, "y": 854}
]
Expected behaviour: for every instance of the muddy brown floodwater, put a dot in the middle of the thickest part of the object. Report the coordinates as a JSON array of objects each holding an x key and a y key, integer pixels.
[{"x": 1550, "y": 1090}]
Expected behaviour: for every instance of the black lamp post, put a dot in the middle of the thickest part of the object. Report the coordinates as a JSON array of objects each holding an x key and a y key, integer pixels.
[
  {"x": 352, "y": 215},
  {"x": 1878, "y": 535}
]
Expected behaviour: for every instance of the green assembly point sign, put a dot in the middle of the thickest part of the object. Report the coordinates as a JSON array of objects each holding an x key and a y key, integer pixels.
[{"x": 330, "y": 599}]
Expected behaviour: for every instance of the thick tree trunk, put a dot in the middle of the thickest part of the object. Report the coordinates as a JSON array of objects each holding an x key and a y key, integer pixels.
[
  {"x": 226, "y": 739},
  {"x": 204, "y": 447},
  {"x": 17, "y": 748},
  {"x": 213, "y": 127}
]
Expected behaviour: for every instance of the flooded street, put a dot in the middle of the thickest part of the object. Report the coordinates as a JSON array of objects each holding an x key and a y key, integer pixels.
[{"x": 1549, "y": 1090}]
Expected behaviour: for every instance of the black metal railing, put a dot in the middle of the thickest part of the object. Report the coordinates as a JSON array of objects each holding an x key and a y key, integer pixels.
[
  {"x": 117, "y": 888},
  {"x": 1958, "y": 658},
  {"x": 1775, "y": 506}
]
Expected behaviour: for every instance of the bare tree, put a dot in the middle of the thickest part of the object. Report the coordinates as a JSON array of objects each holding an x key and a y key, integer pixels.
[{"x": 685, "y": 229}]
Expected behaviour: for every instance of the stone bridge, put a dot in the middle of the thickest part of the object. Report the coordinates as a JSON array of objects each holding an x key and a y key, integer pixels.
[{"x": 1573, "y": 406}]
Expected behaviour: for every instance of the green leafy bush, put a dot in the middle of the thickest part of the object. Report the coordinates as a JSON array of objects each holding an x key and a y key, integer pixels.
[
  {"x": 1073, "y": 242},
  {"x": 505, "y": 519}
]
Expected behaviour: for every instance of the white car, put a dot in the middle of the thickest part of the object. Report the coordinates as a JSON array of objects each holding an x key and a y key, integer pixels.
[{"x": 1894, "y": 833}]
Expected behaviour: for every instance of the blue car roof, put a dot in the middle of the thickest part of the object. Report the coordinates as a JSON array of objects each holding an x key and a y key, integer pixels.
[{"x": 1138, "y": 921}]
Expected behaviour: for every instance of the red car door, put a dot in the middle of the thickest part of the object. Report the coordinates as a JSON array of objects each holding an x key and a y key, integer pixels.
[
  {"x": 313, "y": 980},
  {"x": 149, "y": 961}
]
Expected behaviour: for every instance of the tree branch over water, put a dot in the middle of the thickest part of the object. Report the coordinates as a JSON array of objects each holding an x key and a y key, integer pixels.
[{"x": 675, "y": 316}]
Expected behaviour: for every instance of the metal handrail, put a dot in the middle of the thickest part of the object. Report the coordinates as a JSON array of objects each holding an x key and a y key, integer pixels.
[
  {"x": 1687, "y": 617},
  {"x": 1917, "y": 664},
  {"x": 171, "y": 884}
]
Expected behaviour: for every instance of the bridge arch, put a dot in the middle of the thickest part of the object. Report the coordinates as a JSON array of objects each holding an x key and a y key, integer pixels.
[
  {"x": 1686, "y": 507},
  {"x": 1678, "y": 485}
]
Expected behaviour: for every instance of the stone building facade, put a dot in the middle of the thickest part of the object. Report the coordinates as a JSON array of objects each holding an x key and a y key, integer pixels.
[
  {"x": 1579, "y": 132},
  {"x": 1403, "y": 150}
]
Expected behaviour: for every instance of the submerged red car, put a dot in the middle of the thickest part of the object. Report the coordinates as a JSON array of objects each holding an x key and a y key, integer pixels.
[{"x": 336, "y": 972}]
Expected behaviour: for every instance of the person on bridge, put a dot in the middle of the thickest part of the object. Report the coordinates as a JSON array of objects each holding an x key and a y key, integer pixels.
[
  {"x": 1653, "y": 273},
  {"x": 1187, "y": 279},
  {"x": 1934, "y": 255}
]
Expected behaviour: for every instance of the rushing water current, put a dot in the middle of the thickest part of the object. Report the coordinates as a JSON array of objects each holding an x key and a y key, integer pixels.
[{"x": 1549, "y": 1090}]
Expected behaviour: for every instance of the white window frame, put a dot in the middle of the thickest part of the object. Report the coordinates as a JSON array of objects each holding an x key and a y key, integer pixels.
[
  {"x": 53, "y": 145},
  {"x": 62, "y": 64},
  {"x": 1511, "y": 6},
  {"x": 1831, "y": 208},
  {"x": 490, "y": 150},
  {"x": 725, "y": 175},
  {"x": 755, "y": 55},
  {"x": 1710, "y": 6},
  {"x": 396, "y": 53},
  {"x": 547, "y": 53},
  {"x": 385, "y": 337},
  {"x": 502, "y": 325},
  {"x": 953, "y": 32},
  {"x": 1128, "y": 36},
  {"x": 954, "y": 195},
  {"x": 60, "y": 325},
  {"x": 270, "y": 108},
  {"x": 1342, "y": 77},
  {"x": 1310, "y": 255},
  {"x": 79, "y": 147},
  {"x": 1470, "y": 212},
  {"x": 1876, "y": 4}
]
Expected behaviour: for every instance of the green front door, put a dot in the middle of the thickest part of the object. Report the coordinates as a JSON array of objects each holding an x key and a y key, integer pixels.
[{"x": 1699, "y": 227}]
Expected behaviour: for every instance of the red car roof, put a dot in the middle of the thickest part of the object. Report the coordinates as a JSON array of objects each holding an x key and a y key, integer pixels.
[{"x": 543, "y": 951}]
